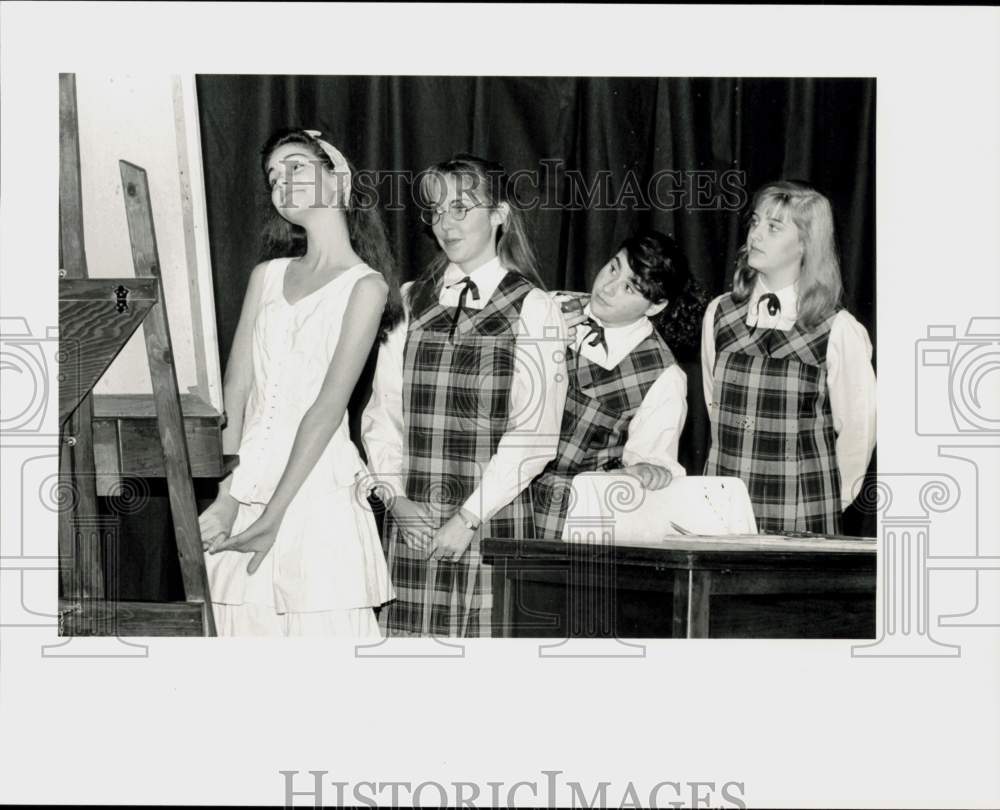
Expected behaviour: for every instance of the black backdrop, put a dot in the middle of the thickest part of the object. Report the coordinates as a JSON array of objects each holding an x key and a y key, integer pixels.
[
  {"x": 716, "y": 136},
  {"x": 820, "y": 130},
  {"x": 632, "y": 129}
]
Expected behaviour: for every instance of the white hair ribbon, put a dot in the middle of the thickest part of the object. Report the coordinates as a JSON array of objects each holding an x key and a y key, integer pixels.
[{"x": 340, "y": 167}]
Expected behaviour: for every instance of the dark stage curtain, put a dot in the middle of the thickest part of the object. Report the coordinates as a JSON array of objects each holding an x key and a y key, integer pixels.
[{"x": 662, "y": 152}]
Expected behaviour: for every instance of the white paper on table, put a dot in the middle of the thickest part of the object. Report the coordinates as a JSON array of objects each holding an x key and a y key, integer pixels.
[{"x": 608, "y": 507}]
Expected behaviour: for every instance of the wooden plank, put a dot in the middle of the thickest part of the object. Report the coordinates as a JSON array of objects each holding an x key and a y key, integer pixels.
[
  {"x": 81, "y": 572},
  {"x": 107, "y": 459},
  {"x": 67, "y": 537},
  {"x": 142, "y": 454},
  {"x": 792, "y": 582},
  {"x": 729, "y": 582},
  {"x": 104, "y": 289},
  {"x": 131, "y": 418},
  {"x": 143, "y": 406},
  {"x": 89, "y": 617},
  {"x": 92, "y": 333},
  {"x": 71, "y": 249},
  {"x": 183, "y": 507},
  {"x": 761, "y": 542},
  {"x": 679, "y": 553}
]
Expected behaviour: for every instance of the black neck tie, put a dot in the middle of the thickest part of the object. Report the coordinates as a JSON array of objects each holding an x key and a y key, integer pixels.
[
  {"x": 773, "y": 304},
  {"x": 467, "y": 285},
  {"x": 598, "y": 334},
  {"x": 773, "y": 308}
]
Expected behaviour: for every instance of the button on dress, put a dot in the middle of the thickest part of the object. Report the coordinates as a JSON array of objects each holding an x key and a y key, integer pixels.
[{"x": 327, "y": 555}]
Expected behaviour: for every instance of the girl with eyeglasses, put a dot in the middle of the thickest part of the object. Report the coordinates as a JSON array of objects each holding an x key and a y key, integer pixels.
[
  {"x": 787, "y": 371},
  {"x": 466, "y": 403}
]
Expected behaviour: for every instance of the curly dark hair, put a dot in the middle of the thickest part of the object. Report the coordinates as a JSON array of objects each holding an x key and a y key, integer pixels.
[
  {"x": 369, "y": 238},
  {"x": 661, "y": 273}
]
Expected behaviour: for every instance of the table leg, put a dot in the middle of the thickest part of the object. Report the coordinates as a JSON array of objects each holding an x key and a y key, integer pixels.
[
  {"x": 682, "y": 590},
  {"x": 690, "y": 615},
  {"x": 503, "y": 620},
  {"x": 701, "y": 586}
]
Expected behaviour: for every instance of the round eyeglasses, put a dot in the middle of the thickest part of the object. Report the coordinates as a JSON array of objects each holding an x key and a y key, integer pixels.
[{"x": 457, "y": 210}]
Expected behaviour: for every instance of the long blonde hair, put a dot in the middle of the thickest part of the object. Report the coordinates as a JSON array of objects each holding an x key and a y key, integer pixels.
[{"x": 820, "y": 286}]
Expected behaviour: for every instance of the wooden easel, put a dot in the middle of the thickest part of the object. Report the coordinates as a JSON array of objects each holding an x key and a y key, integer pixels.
[{"x": 96, "y": 318}]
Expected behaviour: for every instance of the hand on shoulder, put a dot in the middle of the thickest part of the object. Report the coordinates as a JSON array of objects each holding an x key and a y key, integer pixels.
[{"x": 571, "y": 305}]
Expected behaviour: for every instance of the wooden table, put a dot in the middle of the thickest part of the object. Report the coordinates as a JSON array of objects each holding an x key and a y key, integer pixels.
[{"x": 687, "y": 587}]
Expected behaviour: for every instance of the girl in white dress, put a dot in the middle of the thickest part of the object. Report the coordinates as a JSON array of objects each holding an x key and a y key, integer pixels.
[{"x": 292, "y": 547}]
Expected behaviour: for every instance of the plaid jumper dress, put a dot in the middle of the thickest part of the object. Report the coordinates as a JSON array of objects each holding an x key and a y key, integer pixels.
[
  {"x": 600, "y": 404},
  {"x": 771, "y": 421},
  {"x": 456, "y": 402}
]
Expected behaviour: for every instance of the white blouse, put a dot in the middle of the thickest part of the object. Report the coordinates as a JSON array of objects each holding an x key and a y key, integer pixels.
[
  {"x": 850, "y": 378},
  {"x": 655, "y": 430}
]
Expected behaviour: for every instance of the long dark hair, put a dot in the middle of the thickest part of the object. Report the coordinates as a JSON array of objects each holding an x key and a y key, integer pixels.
[
  {"x": 368, "y": 235},
  {"x": 661, "y": 272},
  {"x": 489, "y": 183}
]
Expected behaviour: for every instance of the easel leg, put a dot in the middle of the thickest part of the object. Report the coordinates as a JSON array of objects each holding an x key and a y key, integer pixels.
[{"x": 81, "y": 569}]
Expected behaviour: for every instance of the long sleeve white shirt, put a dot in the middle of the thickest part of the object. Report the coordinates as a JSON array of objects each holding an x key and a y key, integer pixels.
[
  {"x": 655, "y": 429},
  {"x": 850, "y": 378},
  {"x": 537, "y": 396}
]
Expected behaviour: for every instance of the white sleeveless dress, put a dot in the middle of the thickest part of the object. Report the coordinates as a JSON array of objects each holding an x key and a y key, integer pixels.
[{"x": 326, "y": 569}]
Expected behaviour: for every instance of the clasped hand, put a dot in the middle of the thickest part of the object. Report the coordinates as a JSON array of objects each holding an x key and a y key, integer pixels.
[
  {"x": 257, "y": 539},
  {"x": 417, "y": 523},
  {"x": 452, "y": 539},
  {"x": 216, "y": 522}
]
